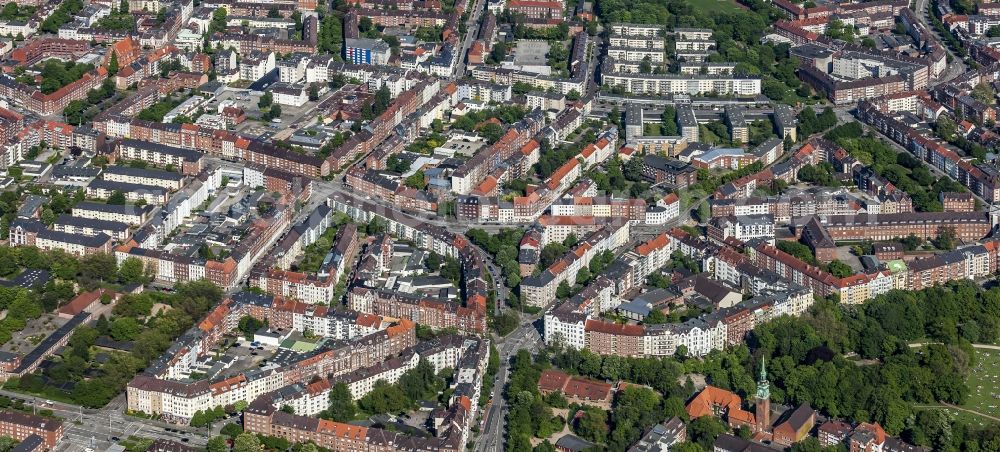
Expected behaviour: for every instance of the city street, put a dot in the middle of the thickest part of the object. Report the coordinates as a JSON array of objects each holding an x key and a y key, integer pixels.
[
  {"x": 956, "y": 67},
  {"x": 472, "y": 29},
  {"x": 526, "y": 336},
  {"x": 90, "y": 428}
]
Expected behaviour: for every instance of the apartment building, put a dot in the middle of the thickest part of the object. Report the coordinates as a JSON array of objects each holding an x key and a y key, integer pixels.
[
  {"x": 76, "y": 245},
  {"x": 20, "y": 426},
  {"x": 645, "y": 30},
  {"x": 150, "y": 194},
  {"x": 128, "y": 214},
  {"x": 968, "y": 226},
  {"x": 256, "y": 65},
  {"x": 189, "y": 161},
  {"x": 662, "y": 84},
  {"x": 91, "y": 227},
  {"x": 142, "y": 176},
  {"x": 742, "y": 228},
  {"x": 366, "y": 51}
]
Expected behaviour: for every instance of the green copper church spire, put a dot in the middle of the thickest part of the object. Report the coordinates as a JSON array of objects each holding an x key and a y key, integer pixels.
[{"x": 763, "y": 387}]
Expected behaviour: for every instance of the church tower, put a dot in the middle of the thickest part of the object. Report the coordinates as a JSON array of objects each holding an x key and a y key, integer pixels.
[{"x": 763, "y": 400}]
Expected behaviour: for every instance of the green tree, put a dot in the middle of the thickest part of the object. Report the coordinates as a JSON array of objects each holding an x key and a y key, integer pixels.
[
  {"x": 342, "y": 408},
  {"x": 433, "y": 261},
  {"x": 98, "y": 267},
  {"x": 274, "y": 112},
  {"x": 839, "y": 269},
  {"x": 545, "y": 446},
  {"x": 249, "y": 325},
  {"x": 265, "y": 100},
  {"x": 563, "y": 291},
  {"x": 945, "y": 128},
  {"x": 132, "y": 271},
  {"x": 117, "y": 198},
  {"x": 593, "y": 425},
  {"x": 705, "y": 430},
  {"x": 655, "y": 317},
  {"x": 113, "y": 63},
  {"x": 246, "y": 442},
  {"x": 48, "y": 216},
  {"x": 983, "y": 93},
  {"x": 217, "y": 444},
  {"x": 491, "y": 132},
  {"x": 704, "y": 212},
  {"x": 645, "y": 66},
  {"x": 687, "y": 447},
  {"x": 9, "y": 11},
  {"x": 416, "y": 180},
  {"x": 218, "y": 23},
  {"x": 231, "y": 430},
  {"x": 498, "y": 53},
  {"x": 125, "y": 329},
  {"x": 946, "y": 238},
  {"x": 506, "y": 322},
  {"x": 383, "y": 97}
]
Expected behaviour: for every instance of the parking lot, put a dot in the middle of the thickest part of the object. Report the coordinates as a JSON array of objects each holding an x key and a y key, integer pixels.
[{"x": 248, "y": 356}]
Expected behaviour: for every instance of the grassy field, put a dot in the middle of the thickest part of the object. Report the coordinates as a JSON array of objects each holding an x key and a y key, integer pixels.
[
  {"x": 963, "y": 417},
  {"x": 984, "y": 383},
  {"x": 715, "y": 5},
  {"x": 984, "y": 391}
]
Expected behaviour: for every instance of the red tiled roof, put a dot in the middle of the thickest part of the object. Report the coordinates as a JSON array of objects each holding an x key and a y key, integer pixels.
[
  {"x": 656, "y": 243},
  {"x": 705, "y": 403},
  {"x": 84, "y": 300},
  {"x": 601, "y": 326},
  {"x": 556, "y": 178},
  {"x": 583, "y": 388},
  {"x": 552, "y": 380}
]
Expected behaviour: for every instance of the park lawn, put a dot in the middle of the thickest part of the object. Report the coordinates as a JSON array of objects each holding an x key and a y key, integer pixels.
[
  {"x": 960, "y": 416},
  {"x": 984, "y": 383},
  {"x": 708, "y": 6}
]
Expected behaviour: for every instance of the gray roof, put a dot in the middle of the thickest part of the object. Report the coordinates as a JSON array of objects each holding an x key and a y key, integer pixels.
[
  {"x": 364, "y": 43},
  {"x": 91, "y": 223},
  {"x": 127, "y": 187},
  {"x": 31, "y": 204},
  {"x": 76, "y": 239},
  {"x": 636, "y": 306},
  {"x": 573, "y": 443},
  {"x": 75, "y": 171},
  {"x": 187, "y": 154},
  {"x": 113, "y": 208},
  {"x": 144, "y": 172},
  {"x": 29, "y": 444}
]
